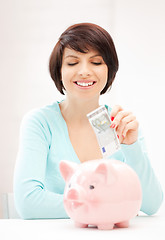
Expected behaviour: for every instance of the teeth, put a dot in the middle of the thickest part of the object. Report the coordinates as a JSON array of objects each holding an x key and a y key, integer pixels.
[{"x": 83, "y": 84}]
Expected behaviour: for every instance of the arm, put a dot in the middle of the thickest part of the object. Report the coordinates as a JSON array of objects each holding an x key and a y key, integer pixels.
[
  {"x": 134, "y": 150},
  {"x": 136, "y": 156},
  {"x": 32, "y": 199}
]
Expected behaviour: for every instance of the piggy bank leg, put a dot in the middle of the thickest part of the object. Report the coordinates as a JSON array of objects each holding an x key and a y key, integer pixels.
[
  {"x": 123, "y": 224},
  {"x": 106, "y": 226},
  {"x": 81, "y": 225}
]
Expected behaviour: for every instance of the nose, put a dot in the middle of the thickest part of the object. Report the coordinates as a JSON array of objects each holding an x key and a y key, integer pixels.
[
  {"x": 72, "y": 194},
  {"x": 84, "y": 70}
]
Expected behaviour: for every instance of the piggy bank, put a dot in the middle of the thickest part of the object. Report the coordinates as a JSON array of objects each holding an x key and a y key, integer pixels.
[{"x": 101, "y": 193}]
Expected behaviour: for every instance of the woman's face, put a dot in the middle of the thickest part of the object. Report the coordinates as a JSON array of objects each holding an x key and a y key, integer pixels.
[{"x": 83, "y": 74}]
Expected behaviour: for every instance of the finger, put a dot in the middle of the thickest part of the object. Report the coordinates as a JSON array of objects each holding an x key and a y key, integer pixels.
[
  {"x": 130, "y": 126},
  {"x": 117, "y": 120},
  {"x": 124, "y": 121},
  {"x": 114, "y": 111}
]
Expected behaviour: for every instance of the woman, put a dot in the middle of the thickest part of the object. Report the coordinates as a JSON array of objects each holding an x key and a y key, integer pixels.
[{"x": 83, "y": 66}]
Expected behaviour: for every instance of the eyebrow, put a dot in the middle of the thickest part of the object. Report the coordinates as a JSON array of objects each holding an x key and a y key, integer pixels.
[
  {"x": 71, "y": 56},
  {"x": 97, "y": 55}
]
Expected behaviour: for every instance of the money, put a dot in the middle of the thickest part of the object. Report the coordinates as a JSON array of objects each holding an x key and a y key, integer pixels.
[{"x": 106, "y": 136}]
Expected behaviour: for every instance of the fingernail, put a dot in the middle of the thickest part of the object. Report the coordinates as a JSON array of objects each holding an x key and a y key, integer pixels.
[
  {"x": 112, "y": 118},
  {"x": 123, "y": 136},
  {"x": 113, "y": 126},
  {"x": 118, "y": 136}
]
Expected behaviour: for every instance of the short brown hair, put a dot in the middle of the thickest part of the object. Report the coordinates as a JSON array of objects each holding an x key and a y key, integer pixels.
[{"x": 80, "y": 37}]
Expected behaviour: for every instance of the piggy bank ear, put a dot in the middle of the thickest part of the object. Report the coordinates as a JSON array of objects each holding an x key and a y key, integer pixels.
[
  {"x": 107, "y": 172},
  {"x": 67, "y": 169}
]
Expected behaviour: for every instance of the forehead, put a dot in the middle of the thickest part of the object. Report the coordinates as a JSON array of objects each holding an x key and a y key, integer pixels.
[{"x": 71, "y": 52}]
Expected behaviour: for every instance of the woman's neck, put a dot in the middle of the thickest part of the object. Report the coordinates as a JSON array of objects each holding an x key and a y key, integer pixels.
[{"x": 75, "y": 111}]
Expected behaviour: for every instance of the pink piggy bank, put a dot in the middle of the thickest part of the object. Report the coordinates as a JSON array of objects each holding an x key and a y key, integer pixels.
[{"x": 102, "y": 193}]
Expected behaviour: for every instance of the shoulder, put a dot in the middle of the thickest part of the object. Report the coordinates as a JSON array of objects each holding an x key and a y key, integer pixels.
[
  {"x": 43, "y": 117},
  {"x": 45, "y": 113}
]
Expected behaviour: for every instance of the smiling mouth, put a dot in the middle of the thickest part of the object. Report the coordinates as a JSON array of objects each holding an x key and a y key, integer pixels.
[{"x": 85, "y": 84}]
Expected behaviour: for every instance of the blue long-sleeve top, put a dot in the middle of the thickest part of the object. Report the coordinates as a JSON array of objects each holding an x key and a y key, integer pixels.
[{"x": 44, "y": 142}]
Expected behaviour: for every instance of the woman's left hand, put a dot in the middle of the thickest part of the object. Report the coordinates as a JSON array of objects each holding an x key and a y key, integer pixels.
[{"x": 125, "y": 124}]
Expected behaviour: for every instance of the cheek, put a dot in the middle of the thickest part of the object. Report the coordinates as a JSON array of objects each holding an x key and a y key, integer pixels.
[
  {"x": 93, "y": 199},
  {"x": 66, "y": 75},
  {"x": 63, "y": 73},
  {"x": 106, "y": 72},
  {"x": 103, "y": 73}
]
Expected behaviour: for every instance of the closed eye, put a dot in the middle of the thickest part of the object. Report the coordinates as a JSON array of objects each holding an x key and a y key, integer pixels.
[
  {"x": 96, "y": 63},
  {"x": 72, "y": 64}
]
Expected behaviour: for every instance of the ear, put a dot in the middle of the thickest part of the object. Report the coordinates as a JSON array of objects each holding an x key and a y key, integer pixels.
[
  {"x": 108, "y": 172},
  {"x": 67, "y": 169},
  {"x": 101, "y": 169}
]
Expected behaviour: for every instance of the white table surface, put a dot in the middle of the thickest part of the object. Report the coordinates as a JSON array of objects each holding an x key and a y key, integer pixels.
[{"x": 141, "y": 227}]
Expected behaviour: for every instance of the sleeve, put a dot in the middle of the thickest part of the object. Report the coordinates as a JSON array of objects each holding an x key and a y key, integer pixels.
[
  {"x": 32, "y": 199},
  {"x": 136, "y": 156}
]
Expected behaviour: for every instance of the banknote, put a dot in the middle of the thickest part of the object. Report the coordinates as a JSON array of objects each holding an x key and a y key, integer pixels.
[{"x": 106, "y": 136}]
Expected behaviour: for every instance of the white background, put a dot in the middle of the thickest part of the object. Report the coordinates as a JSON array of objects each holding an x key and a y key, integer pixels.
[{"x": 28, "y": 33}]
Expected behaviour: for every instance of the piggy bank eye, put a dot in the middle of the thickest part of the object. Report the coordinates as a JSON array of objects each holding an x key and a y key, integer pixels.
[{"x": 91, "y": 187}]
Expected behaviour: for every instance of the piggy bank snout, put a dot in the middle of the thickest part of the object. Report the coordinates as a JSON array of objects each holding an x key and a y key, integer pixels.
[{"x": 72, "y": 194}]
